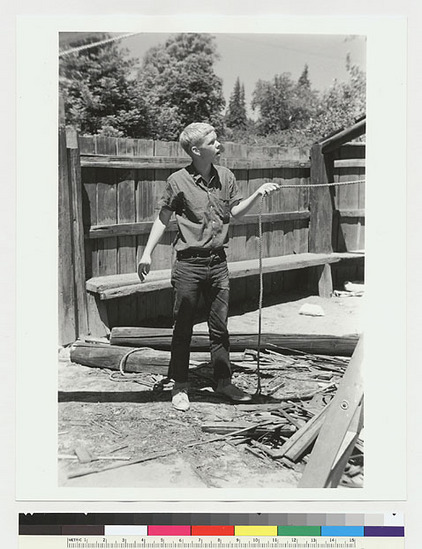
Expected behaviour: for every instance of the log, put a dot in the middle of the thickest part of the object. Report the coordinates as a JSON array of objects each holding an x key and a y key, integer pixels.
[
  {"x": 147, "y": 360},
  {"x": 103, "y": 355},
  {"x": 160, "y": 338}
]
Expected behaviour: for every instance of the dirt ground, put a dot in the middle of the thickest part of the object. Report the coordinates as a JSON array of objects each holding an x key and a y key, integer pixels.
[{"x": 130, "y": 421}]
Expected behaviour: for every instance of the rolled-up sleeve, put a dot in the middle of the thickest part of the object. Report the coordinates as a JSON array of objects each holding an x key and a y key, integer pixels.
[{"x": 169, "y": 199}]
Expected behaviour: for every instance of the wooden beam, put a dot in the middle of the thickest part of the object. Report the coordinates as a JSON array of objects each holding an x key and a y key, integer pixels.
[
  {"x": 119, "y": 285},
  {"x": 74, "y": 168},
  {"x": 144, "y": 227},
  {"x": 338, "y": 420},
  {"x": 342, "y": 137},
  {"x": 160, "y": 338},
  {"x": 174, "y": 162},
  {"x": 133, "y": 162},
  {"x": 346, "y": 449},
  {"x": 112, "y": 286},
  {"x": 66, "y": 280}
]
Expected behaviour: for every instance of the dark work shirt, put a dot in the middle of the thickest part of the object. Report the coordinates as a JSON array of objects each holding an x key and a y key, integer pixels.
[{"x": 202, "y": 210}]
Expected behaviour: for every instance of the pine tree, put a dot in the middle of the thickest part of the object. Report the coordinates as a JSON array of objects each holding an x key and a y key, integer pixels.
[
  {"x": 236, "y": 113},
  {"x": 304, "y": 78}
]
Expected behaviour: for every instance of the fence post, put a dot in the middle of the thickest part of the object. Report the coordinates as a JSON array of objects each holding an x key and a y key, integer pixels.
[
  {"x": 74, "y": 168},
  {"x": 67, "y": 301},
  {"x": 321, "y": 215},
  {"x": 321, "y": 202}
]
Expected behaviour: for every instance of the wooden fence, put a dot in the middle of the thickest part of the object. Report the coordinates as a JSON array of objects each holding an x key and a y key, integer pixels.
[{"x": 120, "y": 181}]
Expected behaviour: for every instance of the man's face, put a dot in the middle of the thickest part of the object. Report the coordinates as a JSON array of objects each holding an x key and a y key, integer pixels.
[{"x": 210, "y": 147}]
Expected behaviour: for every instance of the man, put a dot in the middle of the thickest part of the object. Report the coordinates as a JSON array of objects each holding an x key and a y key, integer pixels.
[{"x": 202, "y": 196}]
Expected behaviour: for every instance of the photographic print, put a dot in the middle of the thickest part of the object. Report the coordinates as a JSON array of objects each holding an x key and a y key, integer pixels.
[
  {"x": 219, "y": 307},
  {"x": 284, "y": 119}
]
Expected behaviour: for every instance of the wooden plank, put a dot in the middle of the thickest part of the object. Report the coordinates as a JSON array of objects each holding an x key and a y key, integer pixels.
[
  {"x": 126, "y": 256},
  {"x": 89, "y": 212},
  {"x": 107, "y": 214},
  {"x": 74, "y": 170},
  {"x": 163, "y": 253},
  {"x": 350, "y": 151},
  {"x": 87, "y": 144},
  {"x": 125, "y": 146},
  {"x": 237, "y": 233},
  {"x": 145, "y": 199},
  {"x": 346, "y": 449},
  {"x": 66, "y": 282},
  {"x": 143, "y": 147},
  {"x": 160, "y": 338},
  {"x": 348, "y": 199},
  {"x": 144, "y": 227},
  {"x": 105, "y": 146},
  {"x": 174, "y": 163},
  {"x": 126, "y": 251},
  {"x": 297, "y": 445},
  {"x": 126, "y": 284},
  {"x": 339, "y": 417},
  {"x": 321, "y": 202}
]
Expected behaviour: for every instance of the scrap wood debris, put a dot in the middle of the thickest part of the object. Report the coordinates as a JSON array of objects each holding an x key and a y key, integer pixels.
[{"x": 278, "y": 427}]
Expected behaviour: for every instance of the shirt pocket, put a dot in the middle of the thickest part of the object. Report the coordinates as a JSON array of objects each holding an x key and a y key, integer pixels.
[{"x": 225, "y": 210}]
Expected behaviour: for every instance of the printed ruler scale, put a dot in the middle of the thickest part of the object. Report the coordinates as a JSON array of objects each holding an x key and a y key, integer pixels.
[{"x": 192, "y": 542}]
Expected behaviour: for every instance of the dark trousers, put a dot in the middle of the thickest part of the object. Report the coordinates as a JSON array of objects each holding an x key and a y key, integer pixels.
[{"x": 190, "y": 278}]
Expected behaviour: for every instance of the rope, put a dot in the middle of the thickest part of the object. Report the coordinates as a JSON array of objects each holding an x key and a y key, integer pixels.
[
  {"x": 261, "y": 279},
  {"x": 121, "y": 375},
  {"x": 261, "y": 293},
  {"x": 313, "y": 185},
  {"x": 95, "y": 44}
]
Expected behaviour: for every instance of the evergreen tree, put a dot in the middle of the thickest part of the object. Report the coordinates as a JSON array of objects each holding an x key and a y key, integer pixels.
[
  {"x": 236, "y": 113},
  {"x": 304, "y": 81}
]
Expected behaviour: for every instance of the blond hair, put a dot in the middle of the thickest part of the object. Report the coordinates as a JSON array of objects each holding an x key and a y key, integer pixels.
[{"x": 194, "y": 134}]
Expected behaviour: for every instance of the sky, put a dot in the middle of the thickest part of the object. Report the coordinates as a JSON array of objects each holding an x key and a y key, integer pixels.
[{"x": 252, "y": 57}]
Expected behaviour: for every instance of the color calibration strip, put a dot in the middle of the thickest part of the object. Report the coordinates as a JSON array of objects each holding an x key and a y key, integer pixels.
[{"x": 203, "y": 525}]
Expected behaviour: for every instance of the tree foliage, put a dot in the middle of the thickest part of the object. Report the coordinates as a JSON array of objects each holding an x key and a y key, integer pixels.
[
  {"x": 282, "y": 103},
  {"x": 107, "y": 92},
  {"x": 341, "y": 104},
  {"x": 100, "y": 95},
  {"x": 293, "y": 113},
  {"x": 178, "y": 82},
  {"x": 236, "y": 117}
]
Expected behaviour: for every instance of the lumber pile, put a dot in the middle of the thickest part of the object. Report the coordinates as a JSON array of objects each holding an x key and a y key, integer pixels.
[{"x": 285, "y": 437}]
